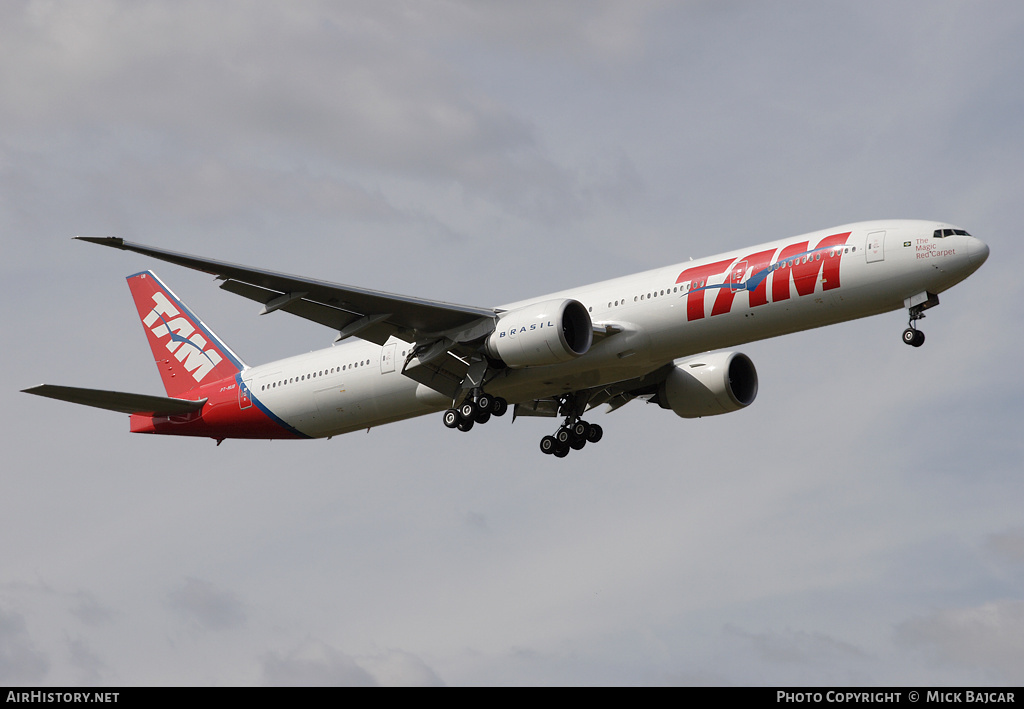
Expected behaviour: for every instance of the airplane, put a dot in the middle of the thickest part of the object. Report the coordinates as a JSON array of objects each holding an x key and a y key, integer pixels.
[{"x": 659, "y": 336}]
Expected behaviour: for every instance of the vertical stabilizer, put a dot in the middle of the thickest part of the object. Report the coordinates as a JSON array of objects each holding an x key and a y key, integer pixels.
[{"x": 186, "y": 351}]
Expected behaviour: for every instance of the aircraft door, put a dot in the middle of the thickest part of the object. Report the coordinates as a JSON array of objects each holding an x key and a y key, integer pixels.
[
  {"x": 875, "y": 246},
  {"x": 387, "y": 358},
  {"x": 244, "y": 399},
  {"x": 736, "y": 282}
]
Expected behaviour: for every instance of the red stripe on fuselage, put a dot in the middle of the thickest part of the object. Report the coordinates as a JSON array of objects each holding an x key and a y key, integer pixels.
[{"x": 221, "y": 417}]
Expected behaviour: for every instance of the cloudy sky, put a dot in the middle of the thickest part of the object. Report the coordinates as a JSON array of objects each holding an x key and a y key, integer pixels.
[{"x": 861, "y": 523}]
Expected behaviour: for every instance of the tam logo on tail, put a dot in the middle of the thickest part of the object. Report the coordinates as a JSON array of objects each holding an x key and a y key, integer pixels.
[
  {"x": 187, "y": 345},
  {"x": 187, "y": 353}
]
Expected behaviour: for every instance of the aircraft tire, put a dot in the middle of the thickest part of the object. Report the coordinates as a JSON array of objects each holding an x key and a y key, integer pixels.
[
  {"x": 577, "y": 443},
  {"x": 548, "y": 445},
  {"x": 919, "y": 339},
  {"x": 468, "y": 411},
  {"x": 484, "y": 402},
  {"x": 595, "y": 433},
  {"x": 466, "y": 424},
  {"x": 483, "y": 417},
  {"x": 451, "y": 418},
  {"x": 561, "y": 451},
  {"x": 909, "y": 335},
  {"x": 499, "y": 406}
]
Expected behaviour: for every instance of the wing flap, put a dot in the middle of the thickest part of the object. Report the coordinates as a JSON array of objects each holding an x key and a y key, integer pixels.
[
  {"x": 444, "y": 374},
  {"x": 332, "y": 317},
  {"x": 119, "y": 401}
]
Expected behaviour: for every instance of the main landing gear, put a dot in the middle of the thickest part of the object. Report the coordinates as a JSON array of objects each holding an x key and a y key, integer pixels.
[
  {"x": 571, "y": 436},
  {"x": 477, "y": 408},
  {"x": 574, "y": 433}
]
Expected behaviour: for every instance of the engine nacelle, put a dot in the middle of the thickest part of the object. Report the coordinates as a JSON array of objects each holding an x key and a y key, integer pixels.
[
  {"x": 542, "y": 333},
  {"x": 709, "y": 385}
]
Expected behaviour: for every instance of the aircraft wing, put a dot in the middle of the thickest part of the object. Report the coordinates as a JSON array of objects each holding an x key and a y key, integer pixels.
[
  {"x": 369, "y": 314},
  {"x": 615, "y": 395},
  {"x": 619, "y": 394},
  {"x": 119, "y": 401}
]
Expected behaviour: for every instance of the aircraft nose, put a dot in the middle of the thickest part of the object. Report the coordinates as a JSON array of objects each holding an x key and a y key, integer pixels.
[{"x": 977, "y": 251}]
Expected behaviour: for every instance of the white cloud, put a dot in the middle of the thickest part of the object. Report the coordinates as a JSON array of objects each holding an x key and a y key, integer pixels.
[
  {"x": 989, "y": 637},
  {"x": 314, "y": 662},
  {"x": 1008, "y": 545},
  {"x": 206, "y": 607},
  {"x": 20, "y": 661}
]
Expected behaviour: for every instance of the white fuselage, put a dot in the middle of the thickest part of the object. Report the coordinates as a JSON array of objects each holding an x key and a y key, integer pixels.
[{"x": 656, "y": 317}]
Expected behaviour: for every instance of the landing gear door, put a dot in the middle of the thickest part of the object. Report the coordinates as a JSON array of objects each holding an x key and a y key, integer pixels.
[
  {"x": 387, "y": 358},
  {"x": 875, "y": 246}
]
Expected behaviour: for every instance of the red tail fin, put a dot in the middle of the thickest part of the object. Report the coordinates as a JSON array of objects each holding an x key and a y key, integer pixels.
[{"x": 187, "y": 353}]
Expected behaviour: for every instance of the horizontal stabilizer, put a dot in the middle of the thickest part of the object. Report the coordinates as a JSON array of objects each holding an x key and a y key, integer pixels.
[{"x": 118, "y": 401}]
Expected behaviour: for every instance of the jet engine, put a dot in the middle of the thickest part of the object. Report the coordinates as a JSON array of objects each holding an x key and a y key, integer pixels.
[
  {"x": 709, "y": 385},
  {"x": 542, "y": 333}
]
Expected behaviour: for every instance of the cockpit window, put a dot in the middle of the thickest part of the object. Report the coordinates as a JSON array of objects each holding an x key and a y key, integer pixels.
[{"x": 942, "y": 233}]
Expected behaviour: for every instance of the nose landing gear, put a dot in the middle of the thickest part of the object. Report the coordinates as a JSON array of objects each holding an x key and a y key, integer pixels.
[
  {"x": 916, "y": 305},
  {"x": 912, "y": 336}
]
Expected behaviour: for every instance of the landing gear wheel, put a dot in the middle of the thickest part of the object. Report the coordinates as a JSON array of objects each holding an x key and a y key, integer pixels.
[
  {"x": 484, "y": 402},
  {"x": 579, "y": 430},
  {"x": 451, "y": 418},
  {"x": 563, "y": 435},
  {"x": 595, "y": 433},
  {"x": 499, "y": 406},
  {"x": 577, "y": 443},
  {"x": 548, "y": 444},
  {"x": 912, "y": 337},
  {"x": 465, "y": 424},
  {"x": 483, "y": 417},
  {"x": 468, "y": 411},
  {"x": 561, "y": 450}
]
